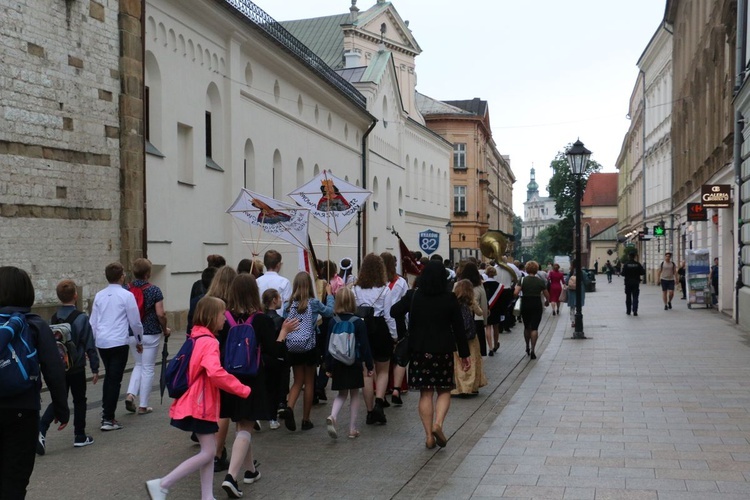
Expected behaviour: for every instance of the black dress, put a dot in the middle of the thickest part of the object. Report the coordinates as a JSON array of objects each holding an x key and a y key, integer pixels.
[
  {"x": 346, "y": 377},
  {"x": 254, "y": 407}
]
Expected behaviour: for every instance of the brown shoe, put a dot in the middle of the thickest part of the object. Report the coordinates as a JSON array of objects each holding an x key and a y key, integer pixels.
[
  {"x": 440, "y": 439},
  {"x": 429, "y": 443}
]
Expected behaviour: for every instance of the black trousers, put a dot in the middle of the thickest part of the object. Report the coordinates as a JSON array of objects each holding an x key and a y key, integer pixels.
[
  {"x": 18, "y": 434},
  {"x": 632, "y": 291},
  {"x": 479, "y": 327},
  {"x": 114, "y": 360},
  {"x": 277, "y": 385},
  {"x": 76, "y": 382}
]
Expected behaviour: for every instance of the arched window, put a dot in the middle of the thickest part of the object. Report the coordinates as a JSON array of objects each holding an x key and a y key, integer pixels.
[
  {"x": 277, "y": 175},
  {"x": 213, "y": 131},
  {"x": 300, "y": 172},
  {"x": 249, "y": 167},
  {"x": 153, "y": 103}
]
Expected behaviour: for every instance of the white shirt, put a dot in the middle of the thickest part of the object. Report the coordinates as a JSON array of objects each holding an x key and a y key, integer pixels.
[
  {"x": 504, "y": 277},
  {"x": 272, "y": 279},
  {"x": 515, "y": 269},
  {"x": 381, "y": 300},
  {"x": 399, "y": 289},
  {"x": 114, "y": 311}
]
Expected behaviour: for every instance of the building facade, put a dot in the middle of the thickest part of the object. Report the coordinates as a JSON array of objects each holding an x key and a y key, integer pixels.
[
  {"x": 702, "y": 130},
  {"x": 598, "y": 216},
  {"x": 538, "y": 213},
  {"x": 71, "y": 141},
  {"x": 481, "y": 179},
  {"x": 407, "y": 164},
  {"x": 258, "y": 110}
]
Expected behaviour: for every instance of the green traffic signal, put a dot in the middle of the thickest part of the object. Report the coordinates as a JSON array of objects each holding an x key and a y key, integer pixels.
[{"x": 658, "y": 230}]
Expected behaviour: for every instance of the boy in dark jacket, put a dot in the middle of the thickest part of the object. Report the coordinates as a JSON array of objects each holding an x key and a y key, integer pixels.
[
  {"x": 75, "y": 378},
  {"x": 19, "y": 414}
]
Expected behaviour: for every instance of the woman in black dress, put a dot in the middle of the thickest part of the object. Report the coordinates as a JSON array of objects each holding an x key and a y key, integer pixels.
[
  {"x": 533, "y": 288},
  {"x": 435, "y": 331}
]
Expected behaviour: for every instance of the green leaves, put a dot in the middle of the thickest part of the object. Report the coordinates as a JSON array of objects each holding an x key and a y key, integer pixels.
[{"x": 562, "y": 185}]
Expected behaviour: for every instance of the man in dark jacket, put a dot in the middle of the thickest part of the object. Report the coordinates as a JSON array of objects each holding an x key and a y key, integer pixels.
[
  {"x": 632, "y": 271},
  {"x": 19, "y": 414}
]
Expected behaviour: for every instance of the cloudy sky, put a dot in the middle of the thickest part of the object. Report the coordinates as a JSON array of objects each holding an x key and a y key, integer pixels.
[{"x": 551, "y": 71}]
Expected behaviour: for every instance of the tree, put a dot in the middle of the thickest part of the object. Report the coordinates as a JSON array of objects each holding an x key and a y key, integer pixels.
[
  {"x": 562, "y": 185},
  {"x": 517, "y": 233},
  {"x": 554, "y": 240}
]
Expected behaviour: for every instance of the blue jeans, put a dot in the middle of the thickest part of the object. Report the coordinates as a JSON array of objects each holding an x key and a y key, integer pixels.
[{"x": 114, "y": 360}]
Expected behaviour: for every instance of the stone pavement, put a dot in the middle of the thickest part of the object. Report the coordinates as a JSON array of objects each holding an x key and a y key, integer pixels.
[
  {"x": 650, "y": 407},
  {"x": 385, "y": 462}
]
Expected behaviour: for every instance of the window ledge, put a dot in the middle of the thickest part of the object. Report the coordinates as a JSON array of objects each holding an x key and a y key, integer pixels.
[
  {"x": 460, "y": 214},
  {"x": 210, "y": 163},
  {"x": 151, "y": 150},
  {"x": 460, "y": 169},
  {"x": 187, "y": 184}
]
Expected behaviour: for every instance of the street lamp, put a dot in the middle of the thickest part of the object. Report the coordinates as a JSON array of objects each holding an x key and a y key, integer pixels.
[
  {"x": 449, "y": 231},
  {"x": 578, "y": 158}
]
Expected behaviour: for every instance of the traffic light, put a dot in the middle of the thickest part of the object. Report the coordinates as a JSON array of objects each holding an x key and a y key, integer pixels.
[{"x": 659, "y": 230}]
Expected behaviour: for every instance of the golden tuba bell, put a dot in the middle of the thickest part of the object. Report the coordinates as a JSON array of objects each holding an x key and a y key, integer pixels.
[{"x": 493, "y": 245}]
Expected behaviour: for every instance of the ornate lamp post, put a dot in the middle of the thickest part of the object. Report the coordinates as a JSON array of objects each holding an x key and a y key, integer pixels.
[{"x": 578, "y": 158}]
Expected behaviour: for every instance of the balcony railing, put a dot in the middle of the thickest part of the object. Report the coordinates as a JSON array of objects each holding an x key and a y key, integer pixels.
[{"x": 276, "y": 32}]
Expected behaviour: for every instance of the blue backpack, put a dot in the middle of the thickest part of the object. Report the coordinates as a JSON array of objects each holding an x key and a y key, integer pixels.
[
  {"x": 19, "y": 363},
  {"x": 178, "y": 369},
  {"x": 342, "y": 344},
  {"x": 241, "y": 352}
]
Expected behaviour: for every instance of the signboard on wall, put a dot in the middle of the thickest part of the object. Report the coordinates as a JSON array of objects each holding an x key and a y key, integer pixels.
[
  {"x": 716, "y": 195},
  {"x": 696, "y": 212},
  {"x": 429, "y": 241}
]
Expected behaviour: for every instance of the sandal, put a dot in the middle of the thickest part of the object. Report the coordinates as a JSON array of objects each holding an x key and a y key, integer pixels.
[
  {"x": 430, "y": 443},
  {"x": 353, "y": 434},
  {"x": 144, "y": 411},
  {"x": 130, "y": 403},
  {"x": 440, "y": 439}
]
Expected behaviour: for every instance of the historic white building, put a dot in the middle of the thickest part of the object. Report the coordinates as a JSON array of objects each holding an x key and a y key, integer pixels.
[
  {"x": 407, "y": 164},
  {"x": 235, "y": 101},
  {"x": 538, "y": 213}
]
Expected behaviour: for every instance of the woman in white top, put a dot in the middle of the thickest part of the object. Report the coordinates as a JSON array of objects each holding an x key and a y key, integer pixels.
[
  {"x": 398, "y": 287},
  {"x": 371, "y": 290}
]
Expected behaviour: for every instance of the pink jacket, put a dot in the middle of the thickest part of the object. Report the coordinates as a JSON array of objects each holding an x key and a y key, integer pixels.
[{"x": 206, "y": 377}]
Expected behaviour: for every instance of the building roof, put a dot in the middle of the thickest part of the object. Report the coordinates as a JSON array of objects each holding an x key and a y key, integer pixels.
[
  {"x": 474, "y": 106},
  {"x": 601, "y": 190},
  {"x": 599, "y": 224},
  {"x": 429, "y": 106},
  {"x": 608, "y": 234},
  {"x": 352, "y": 75},
  {"x": 322, "y": 35}
]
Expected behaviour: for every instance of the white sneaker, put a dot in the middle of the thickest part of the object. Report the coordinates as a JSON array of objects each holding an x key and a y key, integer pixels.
[
  {"x": 274, "y": 424},
  {"x": 155, "y": 491}
]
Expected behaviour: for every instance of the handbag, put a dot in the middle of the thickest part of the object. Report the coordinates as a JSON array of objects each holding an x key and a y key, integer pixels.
[
  {"x": 517, "y": 305},
  {"x": 564, "y": 295}
]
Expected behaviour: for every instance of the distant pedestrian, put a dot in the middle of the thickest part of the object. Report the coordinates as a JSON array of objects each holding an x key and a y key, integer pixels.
[
  {"x": 435, "y": 331},
  {"x": 683, "y": 284},
  {"x": 715, "y": 281},
  {"x": 573, "y": 283},
  {"x": 556, "y": 283},
  {"x": 113, "y": 315},
  {"x": 75, "y": 377},
  {"x": 19, "y": 413},
  {"x": 154, "y": 320},
  {"x": 609, "y": 269},
  {"x": 631, "y": 272},
  {"x": 533, "y": 290},
  {"x": 596, "y": 267},
  {"x": 198, "y": 409},
  {"x": 666, "y": 276},
  {"x": 494, "y": 292},
  {"x": 348, "y": 379}
]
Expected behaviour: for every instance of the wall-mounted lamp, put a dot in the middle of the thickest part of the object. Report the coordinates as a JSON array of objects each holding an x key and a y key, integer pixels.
[
  {"x": 374, "y": 205},
  {"x": 400, "y": 212}
]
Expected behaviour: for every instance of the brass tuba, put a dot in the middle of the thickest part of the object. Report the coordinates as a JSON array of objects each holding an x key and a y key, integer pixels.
[{"x": 493, "y": 245}]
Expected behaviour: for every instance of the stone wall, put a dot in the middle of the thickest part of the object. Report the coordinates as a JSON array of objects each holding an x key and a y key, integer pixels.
[{"x": 60, "y": 141}]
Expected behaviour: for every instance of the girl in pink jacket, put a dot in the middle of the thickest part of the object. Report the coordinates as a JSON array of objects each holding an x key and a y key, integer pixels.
[{"x": 198, "y": 409}]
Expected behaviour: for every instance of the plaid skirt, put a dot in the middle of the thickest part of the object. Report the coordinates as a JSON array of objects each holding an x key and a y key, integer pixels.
[{"x": 431, "y": 371}]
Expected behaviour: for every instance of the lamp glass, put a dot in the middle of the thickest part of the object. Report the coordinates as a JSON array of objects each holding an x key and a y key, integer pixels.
[
  {"x": 449, "y": 228},
  {"x": 578, "y": 157}
]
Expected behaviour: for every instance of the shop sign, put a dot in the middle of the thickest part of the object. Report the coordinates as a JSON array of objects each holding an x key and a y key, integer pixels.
[
  {"x": 696, "y": 212},
  {"x": 716, "y": 195},
  {"x": 429, "y": 241}
]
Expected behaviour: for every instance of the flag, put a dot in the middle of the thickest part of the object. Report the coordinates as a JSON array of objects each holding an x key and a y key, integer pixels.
[{"x": 409, "y": 264}]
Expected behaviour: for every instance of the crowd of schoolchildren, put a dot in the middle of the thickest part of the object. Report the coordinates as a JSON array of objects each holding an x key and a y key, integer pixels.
[{"x": 255, "y": 344}]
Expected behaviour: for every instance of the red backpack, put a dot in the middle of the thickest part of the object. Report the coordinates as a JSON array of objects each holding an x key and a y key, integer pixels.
[{"x": 140, "y": 300}]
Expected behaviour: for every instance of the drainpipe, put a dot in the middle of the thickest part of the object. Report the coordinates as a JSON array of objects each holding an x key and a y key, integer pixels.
[
  {"x": 738, "y": 131},
  {"x": 643, "y": 169},
  {"x": 362, "y": 234},
  {"x": 144, "y": 234}
]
